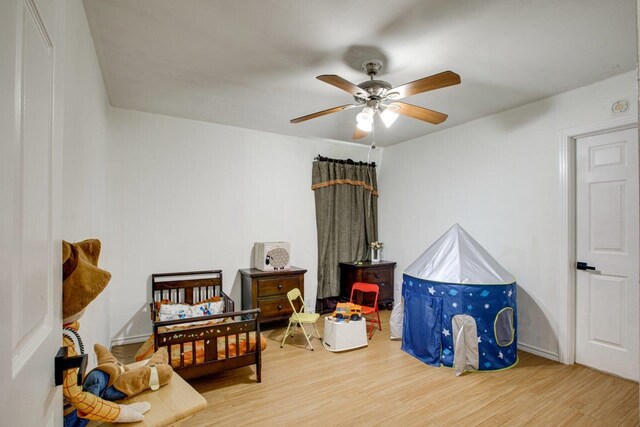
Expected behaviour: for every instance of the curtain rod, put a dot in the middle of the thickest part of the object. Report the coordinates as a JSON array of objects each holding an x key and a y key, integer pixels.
[{"x": 343, "y": 161}]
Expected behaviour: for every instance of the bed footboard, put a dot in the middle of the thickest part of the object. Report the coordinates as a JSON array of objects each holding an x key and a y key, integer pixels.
[{"x": 213, "y": 348}]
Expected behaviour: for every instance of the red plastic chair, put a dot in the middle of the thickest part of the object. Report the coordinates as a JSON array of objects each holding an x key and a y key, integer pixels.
[{"x": 368, "y": 310}]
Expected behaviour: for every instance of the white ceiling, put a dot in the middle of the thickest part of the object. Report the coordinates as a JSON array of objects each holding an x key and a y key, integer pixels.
[{"x": 253, "y": 63}]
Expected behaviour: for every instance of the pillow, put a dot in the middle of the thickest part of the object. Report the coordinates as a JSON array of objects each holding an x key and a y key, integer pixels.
[
  {"x": 170, "y": 311},
  {"x": 207, "y": 308}
]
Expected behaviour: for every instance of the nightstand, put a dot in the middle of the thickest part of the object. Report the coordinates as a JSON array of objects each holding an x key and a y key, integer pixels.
[
  {"x": 380, "y": 273},
  {"x": 267, "y": 290}
]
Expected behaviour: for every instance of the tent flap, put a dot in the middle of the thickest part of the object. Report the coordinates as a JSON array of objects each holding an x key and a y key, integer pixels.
[
  {"x": 422, "y": 327},
  {"x": 465, "y": 352}
]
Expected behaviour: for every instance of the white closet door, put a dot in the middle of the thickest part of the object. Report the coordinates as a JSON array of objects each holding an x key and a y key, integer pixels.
[{"x": 607, "y": 239}]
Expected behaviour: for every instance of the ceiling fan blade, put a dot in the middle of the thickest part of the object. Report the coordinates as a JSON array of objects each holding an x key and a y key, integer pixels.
[
  {"x": 419, "y": 113},
  {"x": 343, "y": 84},
  {"x": 359, "y": 133},
  {"x": 437, "y": 81},
  {"x": 323, "y": 113}
]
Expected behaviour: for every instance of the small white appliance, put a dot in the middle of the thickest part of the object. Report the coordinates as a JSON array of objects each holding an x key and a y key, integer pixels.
[{"x": 272, "y": 256}]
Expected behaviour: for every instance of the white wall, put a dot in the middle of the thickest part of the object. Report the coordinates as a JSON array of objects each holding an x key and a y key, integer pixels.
[
  {"x": 86, "y": 131},
  {"x": 498, "y": 177},
  {"x": 190, "y": 195}
]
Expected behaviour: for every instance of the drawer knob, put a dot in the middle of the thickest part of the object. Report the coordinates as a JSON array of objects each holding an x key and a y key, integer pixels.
[
  {"x": 377, "y": 276},
  {"x": 279, "y": 285},
  {"x": 279, "y": 306}
]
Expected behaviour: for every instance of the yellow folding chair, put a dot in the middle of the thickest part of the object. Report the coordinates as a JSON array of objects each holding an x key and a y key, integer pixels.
[{"x": 300, "y": 318}]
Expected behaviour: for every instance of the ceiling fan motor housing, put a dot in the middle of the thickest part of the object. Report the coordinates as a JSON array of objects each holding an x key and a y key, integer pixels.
[{"x": 377, "y": 90}]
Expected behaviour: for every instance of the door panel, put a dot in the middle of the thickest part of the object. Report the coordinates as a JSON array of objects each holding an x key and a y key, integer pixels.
[
  {"x": 607, "y": 310},
  {"x": 30, "y": 119},
  {"x": 607, "y": 238},
  {"x": 607, "y": 204}
]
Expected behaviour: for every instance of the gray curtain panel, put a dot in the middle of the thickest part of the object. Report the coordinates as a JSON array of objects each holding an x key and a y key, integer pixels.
[{"x": 346, "y": 216}]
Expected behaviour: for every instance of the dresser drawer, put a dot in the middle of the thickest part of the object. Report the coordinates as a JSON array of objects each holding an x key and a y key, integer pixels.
[
  {"x": 377, "y": 275},
  {"x": 276, "y": 286},
  {"x": 274, "y": 307}
]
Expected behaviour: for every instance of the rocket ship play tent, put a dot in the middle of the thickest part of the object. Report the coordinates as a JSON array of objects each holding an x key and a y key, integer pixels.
[{"x": 459, "y": 306}]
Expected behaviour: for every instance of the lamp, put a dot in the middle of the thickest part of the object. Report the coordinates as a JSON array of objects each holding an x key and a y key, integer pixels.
[
  {"x": 365, "y": 126},
  {"x": 388, "y": 117}
]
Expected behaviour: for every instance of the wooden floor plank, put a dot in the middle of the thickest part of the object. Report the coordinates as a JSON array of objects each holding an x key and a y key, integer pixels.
[{"x": 381, "y": 384}]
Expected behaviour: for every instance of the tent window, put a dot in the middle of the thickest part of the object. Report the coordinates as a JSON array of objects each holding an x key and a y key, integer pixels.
[{"x": 503, "y": 327}]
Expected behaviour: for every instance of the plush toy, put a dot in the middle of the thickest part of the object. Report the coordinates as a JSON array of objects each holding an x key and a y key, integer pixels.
[
  {"x": 114, "y": 381},
  {"x": 82, "y": 283}
]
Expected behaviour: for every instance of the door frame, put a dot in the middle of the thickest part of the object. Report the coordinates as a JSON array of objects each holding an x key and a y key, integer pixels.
[{"x": 567, "y": 169}]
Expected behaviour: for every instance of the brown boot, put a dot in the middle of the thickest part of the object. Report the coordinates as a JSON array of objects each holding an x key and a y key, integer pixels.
[
  {"x": 137, "y": 380},
  {"x": 108, "y": 364}
]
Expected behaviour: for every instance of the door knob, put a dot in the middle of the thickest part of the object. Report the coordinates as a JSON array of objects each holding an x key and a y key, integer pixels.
[
  {"x": 584, "y": 266},
  {"x": 62, "y": 363}
]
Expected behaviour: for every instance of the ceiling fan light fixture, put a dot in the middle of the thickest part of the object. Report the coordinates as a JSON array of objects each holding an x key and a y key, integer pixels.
[
  {"x": 365, "y": 126},
  {"x": 365, "y": 118},
  {"x": 388, "y": 117}
]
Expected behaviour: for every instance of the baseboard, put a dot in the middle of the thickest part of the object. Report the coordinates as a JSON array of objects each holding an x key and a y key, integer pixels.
[
  {"x": 538, "y": 351},
  {"x": 130, "y": 339}
]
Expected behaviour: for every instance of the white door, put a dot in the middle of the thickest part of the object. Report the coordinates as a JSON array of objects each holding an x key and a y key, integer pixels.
[
  {"x": 607, "y": 238},
  {"x": 30, "y": 195}
]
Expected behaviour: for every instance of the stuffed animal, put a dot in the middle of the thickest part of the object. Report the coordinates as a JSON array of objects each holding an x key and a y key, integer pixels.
[
  {"x": 115, "y": 381},
  {"x": 82, "y": 283}
]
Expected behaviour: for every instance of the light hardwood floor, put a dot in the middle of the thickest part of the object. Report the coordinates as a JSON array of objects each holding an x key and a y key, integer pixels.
[{"x": 382, "y": 385}]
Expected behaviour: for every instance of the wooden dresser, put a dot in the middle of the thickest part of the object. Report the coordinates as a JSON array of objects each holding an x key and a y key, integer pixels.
[
  {"x": 267, "y": 290},
  {"x": 380, "y": 273}
]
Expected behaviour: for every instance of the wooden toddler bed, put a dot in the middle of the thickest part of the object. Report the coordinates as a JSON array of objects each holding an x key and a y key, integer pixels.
[{"x": 223, "y": 341}]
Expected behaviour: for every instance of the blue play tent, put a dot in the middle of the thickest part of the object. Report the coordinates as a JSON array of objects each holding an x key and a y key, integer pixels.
[{"x": 460, "y": 307}]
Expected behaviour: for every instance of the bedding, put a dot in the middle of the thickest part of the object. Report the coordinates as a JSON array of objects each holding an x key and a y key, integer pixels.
[{"x": 168, "y": 310}]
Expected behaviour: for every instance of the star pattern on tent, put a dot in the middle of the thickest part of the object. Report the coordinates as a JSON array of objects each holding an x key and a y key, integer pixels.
[
  {"x": 510, "y": 293},
  {"x": 446, "y": 332},
  {"x": 469, "y": 307},
  {"x": 432, "y": 291},
  {"x": 500, "y": 355},
  {"x": 454, "y": 305},
  {"x": 479, "y": 339},
  {"x": 486, "y": 306}
]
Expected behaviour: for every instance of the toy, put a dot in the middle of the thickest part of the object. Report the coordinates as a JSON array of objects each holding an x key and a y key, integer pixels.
[
  {"x": 82, "y": 283},
  {"x": 347, "y": 310}
]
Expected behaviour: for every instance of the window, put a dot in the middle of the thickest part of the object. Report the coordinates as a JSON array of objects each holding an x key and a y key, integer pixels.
[{"x": 503, "y": 327}]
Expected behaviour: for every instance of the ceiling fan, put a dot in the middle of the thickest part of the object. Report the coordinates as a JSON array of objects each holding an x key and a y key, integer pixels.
[{"x": 379, "y": 97}]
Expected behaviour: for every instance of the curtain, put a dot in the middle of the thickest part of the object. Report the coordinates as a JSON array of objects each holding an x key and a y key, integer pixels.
[{"x": 346, "y": 195}]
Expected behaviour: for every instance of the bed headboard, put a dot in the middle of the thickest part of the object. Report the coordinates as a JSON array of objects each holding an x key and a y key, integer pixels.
[{"x": 188, "y": 287}]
